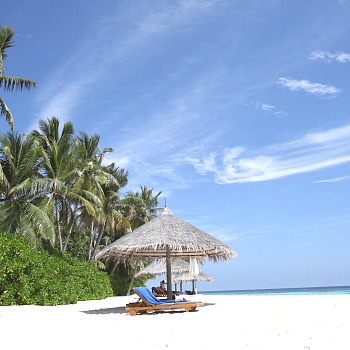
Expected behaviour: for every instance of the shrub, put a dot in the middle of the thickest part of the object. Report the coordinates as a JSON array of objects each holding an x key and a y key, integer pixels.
[
  {"x": 120, "y": 285},
  {"x": 46, "y": 277}
]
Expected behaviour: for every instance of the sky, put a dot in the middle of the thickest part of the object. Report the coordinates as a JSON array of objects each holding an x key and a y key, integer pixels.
[{"x": 238, "y": 111}]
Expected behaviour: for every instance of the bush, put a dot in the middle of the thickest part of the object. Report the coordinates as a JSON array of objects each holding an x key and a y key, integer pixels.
[
  {"x": 46, "y": 277},
  {"x": 120, "y": 285}
]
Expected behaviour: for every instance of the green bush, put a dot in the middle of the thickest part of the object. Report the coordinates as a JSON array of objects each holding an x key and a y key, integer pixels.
[
  {"x": 120, "y": 285},
  {"x": 46, "y": 277}
]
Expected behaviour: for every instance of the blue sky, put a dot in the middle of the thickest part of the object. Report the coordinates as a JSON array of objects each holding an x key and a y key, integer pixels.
[{"x": 237, "y": 110}]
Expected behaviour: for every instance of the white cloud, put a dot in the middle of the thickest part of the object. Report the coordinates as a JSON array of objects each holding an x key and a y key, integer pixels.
[
  {"x": 329, "y": 57},
  {"x": 202, "y": 167},
  {"x": 311, "y": 88},
  {"x": 264, "y": 106},
  {"x": 312, "y": 152},
  {"x": 281, "y": 114},
  {"x": 121, "y": 162},
  {"x": 65, "y": 89},
  {"x": 337, "y": 179},
  {"x": 267, "y": 107}
]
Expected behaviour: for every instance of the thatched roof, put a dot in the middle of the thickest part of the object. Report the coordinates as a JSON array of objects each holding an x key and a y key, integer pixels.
[
  {"x": 186, "y": 277},
  {"x": 158, "y": 267},
  {"x": 150, "y": 241}
]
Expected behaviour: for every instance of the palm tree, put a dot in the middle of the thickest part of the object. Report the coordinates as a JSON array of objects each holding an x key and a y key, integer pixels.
[
  {"x": 145, "y": 206},
  {"x": 19, "y": 189},
  {"x": 9, "y": 83},
  {"x": 141, "y": 208},
  {"x": 91, "y": 175},
  {"x": 110, "y": 216},
  {"x": 59, "y": 167}
]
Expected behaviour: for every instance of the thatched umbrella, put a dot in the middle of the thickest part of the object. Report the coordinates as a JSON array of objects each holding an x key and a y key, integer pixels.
[
  {"x": 158, "y": 267},
  {"x": 179, "y": 267},
  {"x": 187, "y": 278},
  {"x": 167, "y": 236}
]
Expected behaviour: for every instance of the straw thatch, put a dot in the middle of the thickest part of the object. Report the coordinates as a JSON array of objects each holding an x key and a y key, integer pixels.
[
  {"x": 186, "y": 277},
  {"x": 158, "y": 267},
  {"x": 150, "y": 241}
]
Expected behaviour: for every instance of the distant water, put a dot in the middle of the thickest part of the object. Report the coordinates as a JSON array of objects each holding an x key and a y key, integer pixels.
[{"x": 284, "y": 291}]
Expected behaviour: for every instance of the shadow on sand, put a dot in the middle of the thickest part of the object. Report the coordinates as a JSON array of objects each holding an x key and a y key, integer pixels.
[
  {"x": 111, "y": 310},
  {"x": 121, "y": 310}
]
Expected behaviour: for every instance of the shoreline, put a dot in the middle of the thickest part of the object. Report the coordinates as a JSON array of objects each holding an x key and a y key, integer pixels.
[
  {"x": 327, "y": 290},
  {"x": 246, "y": 322}
]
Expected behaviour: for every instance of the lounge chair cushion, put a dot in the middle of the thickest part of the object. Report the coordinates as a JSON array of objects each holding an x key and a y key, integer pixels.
[{"x": 148, "y": 296}]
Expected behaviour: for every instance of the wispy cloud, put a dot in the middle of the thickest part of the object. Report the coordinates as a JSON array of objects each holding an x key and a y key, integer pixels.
[
  {"x": 269, "y": 108},
  {"x": 329, "y": 57},
  {"x": 264, "y": 106},
  {"x": 97, "y": 56},
  {"x": 207, "y": 164},
  {"x": 312, "y": 152},
  {"x": 337, "y": 179},
  {"x": 311, "y": 88}
]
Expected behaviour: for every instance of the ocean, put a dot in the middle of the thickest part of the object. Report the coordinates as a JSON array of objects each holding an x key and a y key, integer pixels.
[{"x": 284, "y": 291}]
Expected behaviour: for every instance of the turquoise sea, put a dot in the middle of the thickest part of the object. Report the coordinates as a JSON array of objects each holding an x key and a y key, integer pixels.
[{"x": 284, "y": 291}]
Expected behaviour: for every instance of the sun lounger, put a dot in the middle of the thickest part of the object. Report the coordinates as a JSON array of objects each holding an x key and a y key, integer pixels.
[
  {"x": 190, "y": 292},
  {"x": 149, "y": 302},
  {"x": 160, "y": 292}
]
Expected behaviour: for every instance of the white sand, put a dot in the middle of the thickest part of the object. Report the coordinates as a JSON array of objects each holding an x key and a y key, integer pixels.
[{"x": 226, "y": 322}]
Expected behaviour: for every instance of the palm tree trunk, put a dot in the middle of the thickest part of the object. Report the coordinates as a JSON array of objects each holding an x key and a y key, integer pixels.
[
  {"x": 70, "y": 230},
  {"x": 133, "y": 277},
  {"x": 58, "y": 226},
  {"x": 114, "y": 267},
  {"x": 98, "y": 240},
  {"x": 91, "y": 239}
]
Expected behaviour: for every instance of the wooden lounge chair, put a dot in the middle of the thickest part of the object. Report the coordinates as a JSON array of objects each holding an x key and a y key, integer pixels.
[
  {"x": 158, "y": 293},
  {"x": 148, "y": 301},
  {"x": 162, "y": 290},
  {"x": 190, "y": 292}
]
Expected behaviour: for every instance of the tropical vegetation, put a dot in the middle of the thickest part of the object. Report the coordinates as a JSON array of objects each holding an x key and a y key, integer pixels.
[
  {"x": 46, "y": 277},
  {"x": 57, "y": 195},
  {"x": 9, "y": 83},
  {"x": 59, "y": 198}
]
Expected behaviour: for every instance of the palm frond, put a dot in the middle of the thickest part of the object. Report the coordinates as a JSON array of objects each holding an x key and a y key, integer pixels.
[
  {"x": 5, "y": 112},
  {"x": 40, "y": 222},
  {"x": 15, "y": 83},
  {"x": 89, "y": 207}
]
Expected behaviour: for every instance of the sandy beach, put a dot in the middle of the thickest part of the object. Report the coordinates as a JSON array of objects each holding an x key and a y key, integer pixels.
[{"x": 240, "y": 322}]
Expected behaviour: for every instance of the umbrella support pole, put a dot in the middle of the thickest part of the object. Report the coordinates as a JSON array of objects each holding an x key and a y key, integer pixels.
[
  {"x": 133, "y": 277},
  {"x": 168, "y": 274}
]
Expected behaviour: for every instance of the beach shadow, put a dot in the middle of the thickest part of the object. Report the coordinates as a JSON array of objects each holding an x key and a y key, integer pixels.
[
  {"x": 172, "y": 311},
  {"x": 121, "y": 310},
  {"x": 106, "y": 311},
  {"x": 163, "y": 312},
  {"x": 209, "y": 304}
]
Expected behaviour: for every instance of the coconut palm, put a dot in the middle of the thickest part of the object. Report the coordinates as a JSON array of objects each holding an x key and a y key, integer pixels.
[
  {"x": 19, "y": 158},
  {"x": 9, "y": 83},
  {"x": 59, "y": 167},
  {"x": 91, "y": 175},
  {"x": 145, "y": 206},
  {"x": 110, "y": 216}
]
